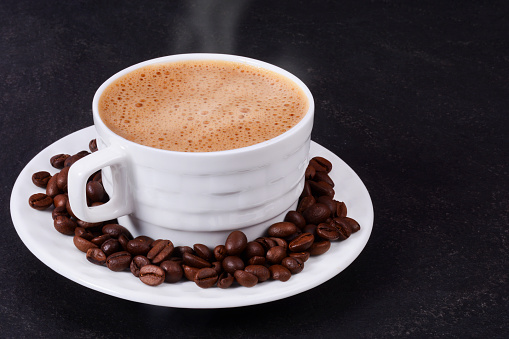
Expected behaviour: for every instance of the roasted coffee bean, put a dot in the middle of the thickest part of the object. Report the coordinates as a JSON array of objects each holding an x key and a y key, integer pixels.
[
  {"x": 260, "y": 271},
  {"x": 203, "y": 251},
  {"x": 352, "y": 224},
  {"x": 327, "y": 201},
  {"x": 92, "y": 145},
  {"x": 305, "y": 203},
  {"x": 276, "y": 254},
  {"x": 95, "y": 191},
  {"x": 83, "y": 233},
  {"x": 310, "y": 228},
  {"x": 316, "y": 213},
  {"x": 301, "y": 243},
  {"x": 119, "y": 261},
  {"x": 52, "y": 188},
  {"x": 341, "y": 209},
  {"x": 83, "y": 244},
  {"x": 266, "y": 242},
  {"x": 310, "y": 172},
  {"x": 293, "y": 264},
  {"x": 217, "y": 266},
  {"x": 279, "y": 272},
  {"x": 40, "y": 201},
  {"x": 139, "y": 245},
  {"x": 62, "y": 179},
  {"x": 123, "y": 240},
  {"x": 64, "y": 225},
  {"x": 306, "y": 191},
  {"x": 245, "y": 279},
  {"x": 115, "y": 230},
  {"x": 152, "y": 275},
  {"x": 225, "y": 280},
  {"x": 235, "y": 243},
  {"x": 319, "y": 247},
  {"x": 254, "y": 248},
  {"x": 40, "y": 179},
  {"x": 99, "y": 240},
  {"x": 161, "y": 251},
  {"x": 96, "y": 256},
  {"x": 282, "y": 229},
  {"x": 137, "y": 263},
  {"x": 73, "y": 158},
  {"x": 323, "y": 176},
  {"x": 325, "y": 164},
  {"x": 220, "y": 252},
  {"x": 206, "y": 277},
  {"x": 111, "y": 246},
  {"x": 295, "y": 218},
  {"x": 85, "y": 224},
  {"x": 173, "y": 271},
  {"x": 180, "y": 250},
  {"x": 257, "y": 260},
  {"x": 60, "y": 210},
  {"x": 232, "y": 263},
  {"x": 326, "y": 231},
  {"x": 304, "y": 256},
  {"x": 60, "y": 200},
  {"x": 342, "y": 227},
  {"x": 57, "y": 161},
  {"x": 321, "y": 188},
  {"x": 282, "y": 242},
  {"x": 195, "y": 261},
  {"x": 190, "y": 272},
  {"x": 97, "y": 176}
]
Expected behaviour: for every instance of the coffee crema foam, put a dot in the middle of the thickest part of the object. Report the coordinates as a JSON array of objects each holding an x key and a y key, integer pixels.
[{"x": 201, "y": 106}]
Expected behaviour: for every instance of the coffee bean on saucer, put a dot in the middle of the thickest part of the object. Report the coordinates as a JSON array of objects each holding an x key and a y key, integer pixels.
[
  {"x": 232, "y": 263},
  {"x": 282, "y": 229},
  {"x": 260, "y": 271},
  {"x": 190, "y": 272},
  {"x": 276, "y": 254},
  {"x": 310, "y": 172},
  {"x": 92, "y": 145},
  {"x": 295, "y": 218},
  {"x": 245, "y": 279},
  {"x": 341, "y": 209},
  {"x": 173, "y": 271},
  {"x": 235, "y": 243},
  {"x": 57, "y": 161},
  {"x": 257, "y": 260},
  {"x": 305, "y": 203},
  {"x": 316, "y": 213},
  {"x": 100, "y": 239},
  {"x": 62, "y": 179},
  {"x": 65, "y": 225},
  {"x": 225, "y": 280},
  {"x": 60, "y": 210},
  {"x": 320, "y": 188},
  {"x": 95, "y": 191},
  {"x": 323, "y": 176},
  {"x": 137, "y": 263},
  {"x": 294, "y": 265},
  {"x": 96, "y": 256},
  {"x": 220, "y": 252},
  {"x": 304, "y": 256},
  {"x": 83, "y": 244},
  {"x": 60, "y": 200},
  {"x": 40, "y": 179},
  {"x": 319, "y": 247},
  {"x": 326, "y": 231},
  {"x": 161, "y": 251},
  {"x": 203, "y": 251},
  {"x": 321, "y": 164},
  {"x": 279, "y": 272},
  {"x": 115, "y": 230},
  {"x": 139, "y": 245},
  {"x": 254, "y": 248},
  {"x": 111, "y": 246},
  {"x": 152, "y": 275},
  {"x": 301, "y": 243},
  {"x": 119, "y": 261},
  {"x": 206, "y": 277},
  {"x": 75, "y": 157},
  {"x": 40, "y": 201},
  {"x": 52, "y": 188}
]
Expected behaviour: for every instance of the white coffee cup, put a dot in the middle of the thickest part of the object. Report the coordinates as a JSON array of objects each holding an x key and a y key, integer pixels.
[{"x": 194, "y": 197}]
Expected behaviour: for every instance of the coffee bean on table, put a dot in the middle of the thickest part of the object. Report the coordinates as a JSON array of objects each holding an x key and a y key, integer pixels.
[
  {"x": 137, "y": 263},
  {"x": 65, "y": 225},
  {"x": 57, "y": 161},
  {"x": 173, "y": 271},
  {"x": 235, "y": 243},
  {"x": 96, "y": 256},
  {"x": 245, "y": 279},
  {"x": 260, "y": 271},
  {"x": 40, "y": 179},
  {"x": 279, "y": 272},
  {"x": 119, "y": 261},
  {"x": 206, "y": 277},
  {"x": 40, "y": 201},
  {"x": 152, "y": 275}
]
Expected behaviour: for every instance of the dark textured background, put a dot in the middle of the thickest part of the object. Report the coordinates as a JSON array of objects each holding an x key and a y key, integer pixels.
[{"x": 413, "y": 95}]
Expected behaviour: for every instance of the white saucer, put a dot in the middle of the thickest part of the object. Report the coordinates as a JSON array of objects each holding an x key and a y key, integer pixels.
[{"x": 57, "y": 251}]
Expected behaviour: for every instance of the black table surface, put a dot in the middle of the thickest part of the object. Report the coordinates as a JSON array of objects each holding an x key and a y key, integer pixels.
[{"x": 413, "y": 95}]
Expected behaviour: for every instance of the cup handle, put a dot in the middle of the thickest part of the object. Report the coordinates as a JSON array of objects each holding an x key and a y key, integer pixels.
[{"x": 120, "y": 202}]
